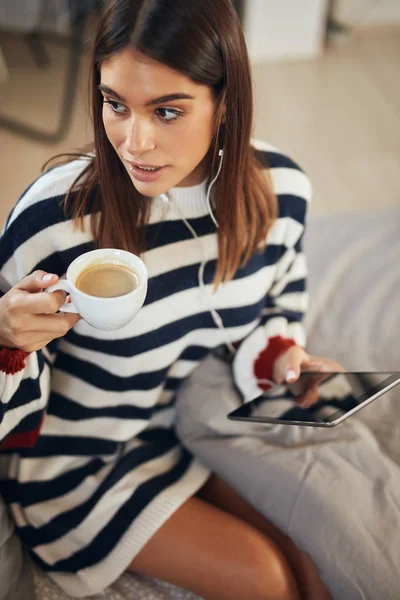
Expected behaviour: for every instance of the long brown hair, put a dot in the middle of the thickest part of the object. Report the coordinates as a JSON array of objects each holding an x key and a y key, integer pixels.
[{"x": 204, "y": 41}]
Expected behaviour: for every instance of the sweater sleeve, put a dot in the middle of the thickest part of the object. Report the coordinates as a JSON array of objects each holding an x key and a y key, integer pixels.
[
  {"x": 24, "y": 389},
  {"x": 36, "y": 236},
  {"x": 286, "y": 301}
]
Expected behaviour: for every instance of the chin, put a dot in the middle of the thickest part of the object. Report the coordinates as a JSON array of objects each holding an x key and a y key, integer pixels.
[
  {"x": 151, "y": 189},
  {"x": 155, "y": 188}
]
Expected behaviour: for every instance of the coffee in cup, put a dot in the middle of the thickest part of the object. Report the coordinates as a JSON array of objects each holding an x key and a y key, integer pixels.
[
  {"x": 106, "y": 280},
  {"x": 107, "y": 287}
]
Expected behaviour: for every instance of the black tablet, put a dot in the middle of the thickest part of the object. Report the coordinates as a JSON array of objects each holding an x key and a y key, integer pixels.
[{"x": 335, "y": 397}]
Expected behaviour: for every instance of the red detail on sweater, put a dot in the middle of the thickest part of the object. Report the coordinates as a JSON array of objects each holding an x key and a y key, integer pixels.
[
  {"x": 264, "y": 362},
  {"x": 22, "y": 440},
  {"x": 12, "y": 360}
]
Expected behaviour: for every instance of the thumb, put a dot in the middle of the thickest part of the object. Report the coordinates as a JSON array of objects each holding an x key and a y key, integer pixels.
[
  {"x": 287, "y": 365},
  {"x": 293, "y": 364},
  {"x": 36, "y": 281}
]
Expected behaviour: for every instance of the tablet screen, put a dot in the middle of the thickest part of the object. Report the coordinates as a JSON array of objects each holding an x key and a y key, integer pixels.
[{"x": 334, "y": 396}]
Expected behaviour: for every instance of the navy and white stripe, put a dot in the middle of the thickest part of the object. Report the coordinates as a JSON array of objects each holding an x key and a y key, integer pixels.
[{"x": 107, "y": 469}]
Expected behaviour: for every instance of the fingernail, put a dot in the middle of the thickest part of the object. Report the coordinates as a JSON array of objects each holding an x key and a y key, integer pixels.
[
  {"x": 47, "y": 277},
  {"x": 290, "y": 375}
]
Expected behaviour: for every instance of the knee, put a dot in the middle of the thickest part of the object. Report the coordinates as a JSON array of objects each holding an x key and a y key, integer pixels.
[{"x": 267, "y": 575}]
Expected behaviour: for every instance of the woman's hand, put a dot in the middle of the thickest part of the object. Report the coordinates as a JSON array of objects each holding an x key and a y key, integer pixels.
[
  {"x": 28, "y": 315},
  {"x": 288, "y": 366}
]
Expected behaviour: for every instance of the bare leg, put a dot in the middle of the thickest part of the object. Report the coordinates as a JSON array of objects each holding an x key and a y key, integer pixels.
[
  {"x": 219, "y": 493},
  {"x": 217, "y": 556}
]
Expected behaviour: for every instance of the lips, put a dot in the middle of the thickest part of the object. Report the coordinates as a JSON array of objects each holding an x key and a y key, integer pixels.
[
  {"x": 143, "y": 165},
  {"x": 145, "y": 175}
]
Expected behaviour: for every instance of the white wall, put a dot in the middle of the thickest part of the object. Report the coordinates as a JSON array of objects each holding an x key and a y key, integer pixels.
[
  {"x": 367, "y": 12},
  {"x": 284, "y": 29}
]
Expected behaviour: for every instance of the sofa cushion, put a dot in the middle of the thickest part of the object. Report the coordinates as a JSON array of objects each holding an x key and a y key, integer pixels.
[{"x": 354, "y": 283}]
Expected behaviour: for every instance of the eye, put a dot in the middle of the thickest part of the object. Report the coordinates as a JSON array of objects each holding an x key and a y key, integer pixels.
[
  {"x": 114, "y": 106},
  {"x": 167, "y": 115}
]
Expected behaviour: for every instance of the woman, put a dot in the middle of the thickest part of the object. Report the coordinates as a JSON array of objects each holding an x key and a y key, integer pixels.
[{"x": 98, "y": 482}]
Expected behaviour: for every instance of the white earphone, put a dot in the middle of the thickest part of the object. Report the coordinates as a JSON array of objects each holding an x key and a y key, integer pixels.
[
  {"x": 221, "y": 155},
  {"x": 216, "y": 317}
]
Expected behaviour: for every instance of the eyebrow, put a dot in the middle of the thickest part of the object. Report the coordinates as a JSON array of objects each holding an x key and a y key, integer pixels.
[{"x": 161, "y": 100}]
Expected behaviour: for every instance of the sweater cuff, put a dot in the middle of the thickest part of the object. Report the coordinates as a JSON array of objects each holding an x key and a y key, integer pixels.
[
  {"x": 254, "y": 361},
  {"x": 12, "y": 360},
  {"x": 264, "y": 363}
]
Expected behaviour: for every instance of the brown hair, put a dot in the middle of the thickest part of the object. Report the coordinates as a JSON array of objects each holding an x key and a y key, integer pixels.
[{"x": 204, "y": 41}]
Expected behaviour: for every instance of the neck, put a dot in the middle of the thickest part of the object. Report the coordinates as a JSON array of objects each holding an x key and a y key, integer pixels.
[{"x": 198, "y": 175}]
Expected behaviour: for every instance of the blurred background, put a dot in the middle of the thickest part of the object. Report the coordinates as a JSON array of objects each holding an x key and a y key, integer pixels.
[{"x": 326, "y": 78}]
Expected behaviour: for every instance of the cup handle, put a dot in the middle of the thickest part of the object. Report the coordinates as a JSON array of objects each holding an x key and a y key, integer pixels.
[{"x": 65, "y": 286}]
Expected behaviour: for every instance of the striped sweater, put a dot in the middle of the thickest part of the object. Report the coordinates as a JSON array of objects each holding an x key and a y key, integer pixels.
[
  {"x": 95, "y": 466},
  {"x": 106, "y": 387}
]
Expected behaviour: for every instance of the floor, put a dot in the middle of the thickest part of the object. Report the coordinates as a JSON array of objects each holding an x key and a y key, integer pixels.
[{"x": 338, "y": 116}]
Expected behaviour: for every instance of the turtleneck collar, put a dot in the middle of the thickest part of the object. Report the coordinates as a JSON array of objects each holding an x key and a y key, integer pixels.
[{"x": 189, "y": 201}]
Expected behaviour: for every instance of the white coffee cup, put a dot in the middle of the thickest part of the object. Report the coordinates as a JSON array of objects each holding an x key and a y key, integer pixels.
[{"x": 104, "y": 313}]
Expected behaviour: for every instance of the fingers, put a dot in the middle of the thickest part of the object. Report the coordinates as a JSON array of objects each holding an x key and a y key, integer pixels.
[
  {"x": 287, "y": 367},
  {"x": 41, "y": 303},
  {"x": 309, "y": 397},
  {"x": 36, "y": 281},
  {"x": 316, "y": 363},
  {"x": 311, "y": 394},
  {"x": 49, "y": 327},
  {"x": 54, "y": 325},
  {"x": 72, "y": 319},
  {"x": 29, "y": 316},
  {"x": 293, "y": 364}
]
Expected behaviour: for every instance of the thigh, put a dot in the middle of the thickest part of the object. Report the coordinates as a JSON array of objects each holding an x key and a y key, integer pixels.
[
  {"x": 217, "y": 492},
  {"x": 217, "y": 556}
]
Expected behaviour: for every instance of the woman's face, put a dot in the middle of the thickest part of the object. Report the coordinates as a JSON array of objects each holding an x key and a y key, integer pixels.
[{"x": 147, "y": 128}]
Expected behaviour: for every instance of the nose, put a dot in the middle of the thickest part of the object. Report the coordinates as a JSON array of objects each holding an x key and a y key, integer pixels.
[{"x": 139, "y": 137}]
